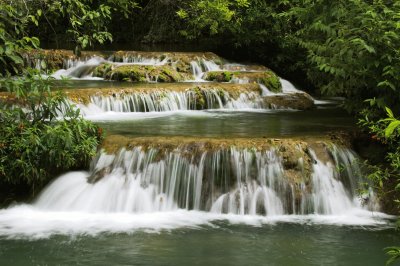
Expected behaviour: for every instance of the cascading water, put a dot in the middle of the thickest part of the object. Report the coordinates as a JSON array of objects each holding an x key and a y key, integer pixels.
[
  {"x": 83, "y": 68},
  {"x": 79, "y": 69},
  {"x": 161, "y": 101},
  {"x": 201, "y": 66},
  {"x": 235, "y": 181},
  {"x": 197, "y": 71},
  {"x": 288, "y": 87}
]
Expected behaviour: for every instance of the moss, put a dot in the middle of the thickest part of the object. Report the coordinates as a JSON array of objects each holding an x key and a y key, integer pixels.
[
  {"x": 271, "y": 81},
  {"x": 183, "y": 66},
  {"x": 102, "y": 70},
  {"x": 49, "y": 60},
  {"x": 139, "y": 73},
  {"x": 268, "y": 78},
  {"x": 199, "y": 98},
  {"x": 219, "y": 76}
]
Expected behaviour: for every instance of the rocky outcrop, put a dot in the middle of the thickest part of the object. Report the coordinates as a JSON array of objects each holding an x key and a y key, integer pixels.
[
  {"x": 267, "y": 78},
  {"x": 297, "y": 101},
  {"x": 139, "y": 73}
]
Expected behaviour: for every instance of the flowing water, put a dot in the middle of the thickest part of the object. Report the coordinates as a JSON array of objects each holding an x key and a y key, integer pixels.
[{"x": 209, "y": 198}]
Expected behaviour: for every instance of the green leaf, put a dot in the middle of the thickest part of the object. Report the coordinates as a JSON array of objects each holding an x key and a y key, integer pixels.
[
  {"x": 389, "y": 112},
  {"x": 392, "y": 126}
]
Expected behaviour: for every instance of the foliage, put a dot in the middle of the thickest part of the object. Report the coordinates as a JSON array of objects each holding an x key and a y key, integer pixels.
[
  {"x": 386, "y": 178},
  {"x": 13, "y": 39},
  {"x": 35, "y": 145},
  {"x": 352, "y": 47},
  {"x": 394, "y": 253},
  {"x": 214, "y": 16},
  {"x": 86, "y": 24}
]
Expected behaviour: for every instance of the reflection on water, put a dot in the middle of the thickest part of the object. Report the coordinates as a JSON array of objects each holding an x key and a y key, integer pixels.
[{"x": 229, "y": 124}]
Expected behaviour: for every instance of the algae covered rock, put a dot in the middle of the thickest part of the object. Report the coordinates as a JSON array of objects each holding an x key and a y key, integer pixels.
[
  {"x": 219, "y": 76},
  {"x": 102, "y": 70},
  {"x": 49, "y": 60},
  {"x": 138, "y": 73},
  {"x": 267, "y": 78}
]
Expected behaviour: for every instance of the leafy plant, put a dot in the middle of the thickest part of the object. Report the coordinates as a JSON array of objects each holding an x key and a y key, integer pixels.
[
  {"x": 394, "y": 253},
  {"x": 14, "y": 19},
  {"x": 35, "y": 143}
]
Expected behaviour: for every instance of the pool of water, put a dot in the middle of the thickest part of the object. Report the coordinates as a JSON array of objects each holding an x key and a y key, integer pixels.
[
  {"x": 227, "y": 123},
  {"x": 217, "y": 244}
]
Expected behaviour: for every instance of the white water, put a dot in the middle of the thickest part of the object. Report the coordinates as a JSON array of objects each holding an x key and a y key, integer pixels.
[
  {"x": 200, "y": 67},
  {"x": 167, "y": 101},
  {"x": 288, "y": 87},
  {"x": 80, "y": 69},
  {"x": 83, "y": 68},
  {"x": 153, "y": 190}
]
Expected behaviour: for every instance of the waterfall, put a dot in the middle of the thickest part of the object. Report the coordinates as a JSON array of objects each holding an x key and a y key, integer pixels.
[
  {"x": 288, "y": 87},
  {"x": 264, "y": 90},
  {"x": 197, "y": 71},
  {"x": 79, "y": 69},
  {"x": 161, "y": 101},
  {"x": 141, "y": 60},
  {"x": 201, "y": 66},
  {"x": 229, "y": 180}
]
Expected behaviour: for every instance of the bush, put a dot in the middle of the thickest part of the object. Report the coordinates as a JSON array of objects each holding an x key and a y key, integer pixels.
[{"x": 34, "y": 144}]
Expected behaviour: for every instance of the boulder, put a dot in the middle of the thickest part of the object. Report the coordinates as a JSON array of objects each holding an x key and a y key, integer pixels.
[{"x": 297, "y": 101}]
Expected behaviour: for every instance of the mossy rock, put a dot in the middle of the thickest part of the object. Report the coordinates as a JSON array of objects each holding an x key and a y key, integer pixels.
[
  {"x": 268, "y": 78},
  {"x": 49, "y": 60},
  {"x": 219, "y": 76},
  {"x": 140, "y": 73},
  {"x": 102, "y": 70},
  {"x": 199, "y": 98},
  {"x": 271, "y": 81}
]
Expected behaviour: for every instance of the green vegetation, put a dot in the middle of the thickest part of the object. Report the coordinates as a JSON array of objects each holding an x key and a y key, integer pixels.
[
  {"x": 219, "y": 76},
  {"x": 271, "y": 81},
  {"x": 268, "y": 78},
  {"x": 138, "y": 73},
  {"x": 35, "y": 145}
]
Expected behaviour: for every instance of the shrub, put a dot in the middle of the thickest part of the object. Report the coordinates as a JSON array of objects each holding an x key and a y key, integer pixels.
[{"x": 35, "y": 144}]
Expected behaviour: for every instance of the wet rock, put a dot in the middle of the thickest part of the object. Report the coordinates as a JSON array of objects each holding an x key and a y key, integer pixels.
[
  {"x": 267, "y": 78},
  {"x": 240, "y": 67},
  {"x": 298, "y": 101},
  {"x": 98, "y": 175},
  {"x": 49, "y": 60},
  {"x": 140, "y": 73}
]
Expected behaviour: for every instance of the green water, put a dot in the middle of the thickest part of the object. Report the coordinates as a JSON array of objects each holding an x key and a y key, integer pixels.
[
  {"x": 236, "y": 124},
  {"x": 281, "y": 244}
]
